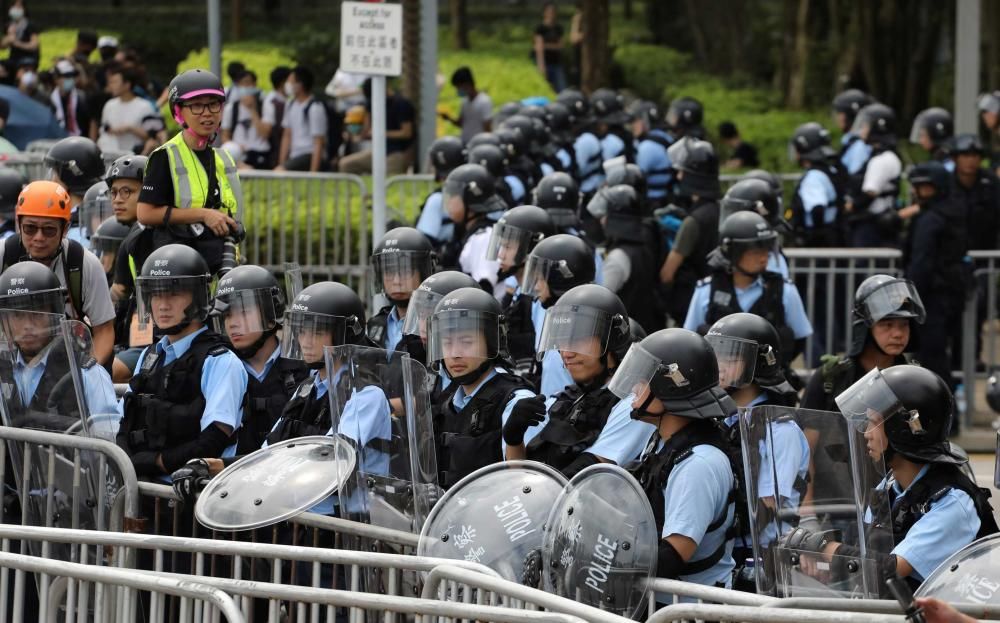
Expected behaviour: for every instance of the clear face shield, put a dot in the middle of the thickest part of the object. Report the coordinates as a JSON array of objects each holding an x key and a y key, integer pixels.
[
  {"x": 398, "y": 273},
  {"x": 422, "y": 304},
  {"x": 30, "y": 332},
  {"x": 168, "y": 301},
  {"x": 305, "y": 334},
  {"x": 729, "y": 206},
  {"x": 509, "y": 245},
  {"x": 537, "y": 270},
  {"x": 867, "y": 405},
  {"x": 577, "y": 329},
  {"x": 93, "y": 212},
  {"x": 737, "y": 360},
  {"x": 244, "y": 315},
  {"x": 468, "y": 336},
  {"x": 635, "y": 373},
  {"x": 898, "y": 297}
]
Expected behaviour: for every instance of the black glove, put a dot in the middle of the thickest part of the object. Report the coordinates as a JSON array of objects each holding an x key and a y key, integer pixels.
[
  {"x": 806, "y": 541},
  {"x": 531, "y": 572},
  {"x": 190, "y": 479},
  {"x": 527, "y": 412},
  {"x": 145, "y": 464}
]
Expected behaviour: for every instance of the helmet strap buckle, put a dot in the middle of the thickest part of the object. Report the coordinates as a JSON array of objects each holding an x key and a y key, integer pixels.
[{"x": 913, "y": 421}]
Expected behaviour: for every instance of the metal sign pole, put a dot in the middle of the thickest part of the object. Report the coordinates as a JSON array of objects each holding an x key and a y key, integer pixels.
[{"x": 378, "y": 159}]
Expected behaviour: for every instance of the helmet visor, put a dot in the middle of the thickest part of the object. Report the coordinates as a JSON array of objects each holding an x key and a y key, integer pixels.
[
  {"x": 869, "y": 402},
  {"x": 737, "y": 360},
  {"x": 989, "y": 102},
  {"x": 510, "y": 245},
  {"x": 245, "y": 312},
  {"x": 94, "y": 212},
  {"x": 893, "y": 299},
  {"x": 576, "y": 328},
  {"x": 919, "y": 123},
  {"x": 304, "y": 334},
  {"x": 30, "y": 331},
  {"x": 536, "y": 275},
  {"x": 44, "y": 301},
  {"x": 562, "y": 217},
  {"x": 398, "y": 273},
  {"x": 158, "y": 300},
  {"x": 634, "y": 374},
  {"x": 729, "y": 206},
  {"x": 463, "y": 334},
  {"x": 422, "y": 304}
]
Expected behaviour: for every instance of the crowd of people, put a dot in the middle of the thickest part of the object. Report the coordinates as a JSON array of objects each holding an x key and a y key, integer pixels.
[{"x": 537, "y": 285}]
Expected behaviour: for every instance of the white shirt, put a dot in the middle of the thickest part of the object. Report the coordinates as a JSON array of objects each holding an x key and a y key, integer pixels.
[
  {"x": 304, "y": 130},
  {"x": 346, "y": 81},
  {"x": 882, "y": 171},
  {"x": 473, "y": 261},
  {"x": 245, "y": 134},
  {"x": 118, "y": 113},
  {"x": 475, "y": 113}
]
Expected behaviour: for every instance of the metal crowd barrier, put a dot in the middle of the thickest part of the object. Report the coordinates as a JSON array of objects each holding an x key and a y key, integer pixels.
[
  {"x": 41, "y": 146},
  {"x": 979, "y": 328},
  {"x": 30, "y": 165},
  {"x": 319, "y": 220},
  {"x": 405, "y": 195}
]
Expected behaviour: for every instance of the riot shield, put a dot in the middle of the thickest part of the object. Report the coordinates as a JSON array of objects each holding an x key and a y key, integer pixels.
[
  {"x": 293, "y": 281},
  {"x": 493, "y": 516},
  {"x": 380, "y": 402},
  {"x": 275, "y": 483},
  {"x": 781, "y": 498},
  {"x": 599, "y": 544},
  {"x": 970, "y": 576}
]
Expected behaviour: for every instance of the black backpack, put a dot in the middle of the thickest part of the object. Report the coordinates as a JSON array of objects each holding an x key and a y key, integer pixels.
[{"x": 334, "y": 126}]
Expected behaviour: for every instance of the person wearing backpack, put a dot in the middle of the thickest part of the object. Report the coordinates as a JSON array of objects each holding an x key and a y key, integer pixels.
[
  {"x": 273, "y": 107},
  {"x": 305, "y": 125},
  {"x": 243, "y": 122}
]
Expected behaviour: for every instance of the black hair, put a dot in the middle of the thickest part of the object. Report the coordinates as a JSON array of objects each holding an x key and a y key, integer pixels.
[
  {"x": 234, "y": 69},
  {"x": 128, "y": 74},
  {"x": 727, "y": 130},
  {"x": 87, "y": 36},
  {"x": 304, "y": 76},
  {"x": 279, "y": 75},
  {"x": 462, "y": 75}
]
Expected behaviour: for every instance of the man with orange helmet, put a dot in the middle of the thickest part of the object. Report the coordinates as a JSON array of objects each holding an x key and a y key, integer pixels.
[{"x": 43, "y": 213}]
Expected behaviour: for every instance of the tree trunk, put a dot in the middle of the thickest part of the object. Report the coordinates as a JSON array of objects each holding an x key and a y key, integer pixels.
[
  {"x": 628, "y": 9},
  {"x": 594, "y": 48},
  {"x": 235, "y": 20},
  {"x": 459, "y": 24},
  {"x": 800, "y": 60},
  {"x": 410, "y": 86}
]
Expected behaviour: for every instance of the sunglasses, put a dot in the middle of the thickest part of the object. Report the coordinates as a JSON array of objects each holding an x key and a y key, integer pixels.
[{"x": 48, "y": 231}]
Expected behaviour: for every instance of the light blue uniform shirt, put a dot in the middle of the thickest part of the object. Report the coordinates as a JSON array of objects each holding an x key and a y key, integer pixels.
[
  {"x": 622, "y": 439},
  {"x": 460, "y": 400},
  {"x": 546, "y": 168},
  {"x": 856, "y": 155},
  {"x": 795, "y": 314},
  {"x": 589, "y": 157},
  {"x": 223, "y": 384},
  {"x": 564, "y": 159},
  {"x": 517, "y": 191},
  {"x": 696, "y": 494},
  {"x": 267, "y": 365},
  {"x": 433, "y": 222},
  {"x": 555, "y": 376},
  {"x": 776, "y": 263},
  {"x": 612, "y": 146},
  {"x": 816, "y": 189},
  {"x": 655, "y": 164},
  {"x": 393, "y": 329},
  {"x": 950, "y": 524}
]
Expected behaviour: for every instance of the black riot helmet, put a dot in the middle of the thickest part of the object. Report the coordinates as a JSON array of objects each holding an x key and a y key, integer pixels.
[
  {"x": 966, "y": 144},
  {"x": 933, "y": 173},
  {"x": 401, "y": 260},
  {"x": 455, "y": 327},
  {"x": 685, "y": 114},
  {"x": 850, "y": 103},
  {"x": 698, "y": 168},
  {"x": 577, "y": 104},
  {"x": 559, "y": 195},
  {"x": 248, "y": 299},
  {"x": 473, "y": 188},
  {"x": 810, "y": 142},
  {"x": 560, "y": 121},
  {"x": 912, "y": 405},
  {"x": 490, "y": 157},
  {"x": 324, "y": 314},
  {"x": 618, "y": 171},
  {"x": 936, "y": 123},
  {"x": 77, "y": 161},
  {"x": 773, "y": 181},
  {"x": 646, "y": 111},
  {"x": 513, "y": 141},
  {"x": 174, "y": 269},
  {"x": 516, "y": 234},
  {"x": 635, "y": 330},
  {"x": 12, "y": 182},
  {"x": 555, "y": 266},
  {"x": 993, "y": 392},
  {"x": 876, "y": 125},
  {"x": 743, "y": 231},
  {"x": 483, "y": 138},
  {"x": 752, "y": 195},
  {"x": 609, "y": 107},
  {"x": 527, "y": 128},
  {"x": 107, "y": 239},
  {"x": 679, "y": 368},
  {"x": 506, "y": 111},
  {"x": 95, "y": 208},
  {"x": 624, "y": 211},
  {"x": 445, "y": 154},
  {"x": 127, "y": 167},
  {"x": 582, "y": 314},
  {"x": 884, "y": 296},
  {"x": 31, "y": 288},
  {"x": 748, "y": 349},
  {"x": 426, "y": 297}
]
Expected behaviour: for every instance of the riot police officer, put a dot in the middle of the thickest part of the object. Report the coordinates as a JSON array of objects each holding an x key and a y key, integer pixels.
[
  {"x": 757, "y": 195},
  {"x": 854, "y": 152},
  {"x": 873, "y": 189},
  {"x": 587, "y": 424},
  {"x": 422, "y": 303},
  {"x": 587, "y": 152},
  {"x": 522, "y": 172},
  {"x": 494, "y": 159},
  {"x": 934, "y": 509},
  {"x": 401, "y": 260},
  {"x": 93, "y": 210},
  {"x": 469, "y": 196},
  {"x": 698, "y": 192},
  {"x": 444, "y": 155},
  {"x": 105, "y": 243},
  {"x": 932, "y": 130},
  {"x": 249, "y": 305},
  {"x": 11, "y": 183},
  {"x": 740, "y": 281},
  {"x": 610, "y": 119},
  {"x": 560, "y": 124},
  {"x": 185, "y": 400},
  {"x": 672, "y": 380},
  {"x": 819, "y": 195},
  {"x": 555, "y": 266},
  {"x": 652, "y": 142},
  {"x": 466, "y": 341},
  {"x": 684, "y": 117},
  {"x": 75, "y": 164}
]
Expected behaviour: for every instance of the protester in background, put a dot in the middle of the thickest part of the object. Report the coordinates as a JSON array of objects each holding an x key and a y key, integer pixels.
[
  {"x": 399, "y": 134},
  {"x": 122, "y": 117},
  {"x": 304, "y": 123},
  {"x": 243, "y": 122},
  {"x": 477, "y": 107},
  {"x": 21, "y": 38},
  {"x": 742, "y": 155},
  {"x": 547, "y": 45}
]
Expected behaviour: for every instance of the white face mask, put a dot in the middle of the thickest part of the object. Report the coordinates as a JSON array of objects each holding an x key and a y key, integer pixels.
[
  {"x": 67, "y": 84},
  {"x": 289, "y": 89},
  {"x": 15, "y": 13}
]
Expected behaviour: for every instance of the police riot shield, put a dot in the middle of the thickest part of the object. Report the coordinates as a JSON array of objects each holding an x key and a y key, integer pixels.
[
  {"x": 786, "y": 490},
  {"x": 600, "y": 541},
  {"x": 494, "y": 516},
  {"x": 380, "y": 403},
  {"x": 293, "y": 281},
  {"x": 275, "y": 483},
  {"x": 970, "y": 576}
]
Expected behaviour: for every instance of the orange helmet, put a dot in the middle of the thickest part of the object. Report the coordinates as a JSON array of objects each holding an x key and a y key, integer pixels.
[{"x": 44, "y": 198}]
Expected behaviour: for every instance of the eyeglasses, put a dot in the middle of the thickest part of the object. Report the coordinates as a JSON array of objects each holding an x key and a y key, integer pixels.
[
  {"x": 124, "y": 193},
  {"x": 197, "y": 109},
  {"x": 48, "y": 231}
]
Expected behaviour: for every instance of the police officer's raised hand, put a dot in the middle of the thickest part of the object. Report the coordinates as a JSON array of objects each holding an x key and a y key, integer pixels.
[
  {"x": 527, "y": 412},
  {"x": 190, "y": 479},
  {"x": 219, "y": 222}
]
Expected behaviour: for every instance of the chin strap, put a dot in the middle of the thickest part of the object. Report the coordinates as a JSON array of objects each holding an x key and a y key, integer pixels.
[
  {"x": 177, "y": 328},
  {"x": 468, "y": 377},
  {"x": 250, "y": 351}
]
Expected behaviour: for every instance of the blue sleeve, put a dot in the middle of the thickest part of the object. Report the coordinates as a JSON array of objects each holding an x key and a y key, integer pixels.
[
  {"x": 622, "y": 439},
  {"x": 949, "y": 525},
  {"x": 432, "y": 216},
  {"x": 520, "y": 395},
  {"x": 791, "y": 454},
  {"x": 583, "y": 149},
  {"x": 612, "y": 146},
  {"x": 564, "y": 159},
  {"x": 598, "y": 268},
  {"x": 648, "y": 157},
  {"x": 814, "y": 191},
  {"x": 516, "y": 187},
  {"x": 856, "y": 156},
  {"x": 537, "y": 319},
  {"x": 546, "y": 168},
  {"x": 366, "y": 417},
  {"x": 795, "y": 313},
  {"x": 695, "y": 494},
  {"x": 102, "y": 403},
  {"x": 776, "y": 263},
  {"x": 223, "y": 383},
  {"x": 698, "y": 308}
]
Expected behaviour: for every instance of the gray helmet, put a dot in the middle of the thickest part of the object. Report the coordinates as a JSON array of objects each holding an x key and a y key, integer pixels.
[{"x": 128, "y": 167}]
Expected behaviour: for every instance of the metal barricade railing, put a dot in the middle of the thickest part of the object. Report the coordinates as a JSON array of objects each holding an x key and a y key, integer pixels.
[
  {"x": 979, "y": 330},
  {"x": 319, "y": 220},
  {"x": 30, "y": 165},
  {"x": 750, "y": 614},
  {"x": 405, "y": 194},
  {"x": 826, "y": 280},
  {"x": 41, "y": 146}
]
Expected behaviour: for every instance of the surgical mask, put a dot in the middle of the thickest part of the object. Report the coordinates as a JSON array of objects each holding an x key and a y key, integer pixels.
[
  {"x": 289, "y": 89},
  {"x": 28, "y": 79},
  {"x": 15, "y": 13},
  {"x": 354, "y": 128},
  {"x": 66, "y": 84},
  {"x": 460, "y": 92}
]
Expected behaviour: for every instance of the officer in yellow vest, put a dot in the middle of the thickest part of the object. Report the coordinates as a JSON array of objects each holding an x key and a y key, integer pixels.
[{"x": 190, "y": 191}]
